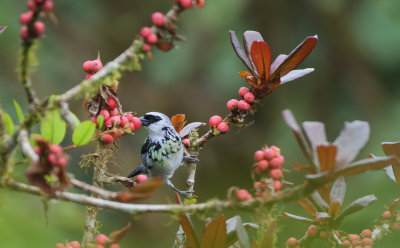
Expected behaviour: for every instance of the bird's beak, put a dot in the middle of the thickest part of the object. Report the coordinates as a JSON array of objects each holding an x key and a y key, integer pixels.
[{"x": 145, "y": 122}]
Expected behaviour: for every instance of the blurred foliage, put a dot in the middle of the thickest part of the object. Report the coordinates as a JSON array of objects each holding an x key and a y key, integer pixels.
[{"x": 356, "y": 61}]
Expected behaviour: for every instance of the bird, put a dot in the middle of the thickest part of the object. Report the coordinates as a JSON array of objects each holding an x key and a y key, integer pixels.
[{"x": 162, "y": 153}]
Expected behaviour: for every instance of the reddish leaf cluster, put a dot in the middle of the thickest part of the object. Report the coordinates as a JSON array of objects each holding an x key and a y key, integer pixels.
[{"x": 49, "y": 173}]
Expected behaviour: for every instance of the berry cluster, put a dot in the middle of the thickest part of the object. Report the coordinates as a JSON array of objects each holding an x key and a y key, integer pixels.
[
  {"x": 72, "y": 244},
  {"x": 100, "y": 241},
  {"x": 245, "y": 103},
  {"x": 33, "y": 28},
  {"x": 91, "y": 67},
  {"x": 268, "y": 162},
  {"x": 53, "y": 155},
  {"x": 217, "y": 123}
]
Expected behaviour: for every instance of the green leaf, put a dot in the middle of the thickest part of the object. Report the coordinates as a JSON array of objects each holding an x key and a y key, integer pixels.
[
  {"x": 83, "y": 133},
  {"x": 299, "y": 218},
  {"x": 356, "y": 206},
  {"x": 53, "y": 127},
  {"x": 19, "y": 111},
  {"x": 8, "y": 123},
  {"x": 75, "y": 119},
  {"x": 393, "y": 149},
  {"x": 100, "y": 121},
  {"x": 215, "y": 234}
]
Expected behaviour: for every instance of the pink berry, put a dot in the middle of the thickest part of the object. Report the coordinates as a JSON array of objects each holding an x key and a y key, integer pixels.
[
  {"x": 367, "y": 241},
  {"x": 277, "y": 185},
  {"x": 88, "y": 76},
  {"x": 48, "y": 5},
  {"x": 101, "y": 239},
  {"x": 94, "y": 120},
  {"x": 291, "y": 242},
  {"x": 243, "y": 91},
  {"x": 276, "y": 173},
  {"x": 186, "y": 142},
  {"x": 249, "y": 97},
  {"x": 386, "y": 214},
  {"x": 366, "y": 233},
  {"x": 269, "y": 154},
  {"x": 260, "y": 185},
  {"x": 87, "y": 66},
  {"x": 108, "y": 123},
  {"x": 24, "y": 18},
  {"x": 114, "y": 245},
  {"x": 146, "y": 48},
  {"x": 112, "y": 103},
  {"x": 115, "y": 120},
  {"x": 223, "y": 127},
  {"x": 107, "y": 138},
  {"x": 158, "y": 18},
  {"x": 277, "y": 161},
  {"x": 324, "y": 234},
  {"x": 259, "y": 155},
  {"x": 105, "y": 114},
  {"x": 346, "y": 243},
  {"x": 114, "y": 112},
  {"x": 312, "y": 230},
  {"x": 141, "y": 178},
  {"x": 38, "y": 26},
  {"x": 56, "y": 149},
  {"x": 130, "y": 117},
  {"x": 31, "y": 5},
  {"x": 62, "y": 162},
  {"x": 353, "y": 237},
  {"x": 136, "y": 121},
  {"x": 395, "y": 226},
  {"x": 186, "y": 3},
  {"x": 232, "y": 104},
  {"x": 96, "y": 65},
  {"x": 243, "y": 195},
  {"x": 200, "y": 3},
  {"x": 59, "y": 245},
  {"x": 243, "y": 105},
  {"x": 37, "y": 150},
  {"x": 124, "y": 121},
  {"x": 215, "y": 120},
  {"x": 23, "y": 33},
  {"x": 74, "y": 244},
  {"x": 52, "y": 159},
  {"x": 152, "y": 39},
  {"x": 262, "y": 165},
  {"x": 132, "y": 126},
  {"x": 145, "y": 32}
]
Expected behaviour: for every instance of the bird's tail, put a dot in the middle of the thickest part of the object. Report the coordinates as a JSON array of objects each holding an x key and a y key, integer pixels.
[{"x": 139, "y": 170}]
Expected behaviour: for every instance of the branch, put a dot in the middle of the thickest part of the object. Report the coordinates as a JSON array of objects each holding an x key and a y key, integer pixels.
[{"x": 26, "y": 146}]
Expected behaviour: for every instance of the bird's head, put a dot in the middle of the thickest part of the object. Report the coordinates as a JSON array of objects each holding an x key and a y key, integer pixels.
[{"x": 155, "y": 122}]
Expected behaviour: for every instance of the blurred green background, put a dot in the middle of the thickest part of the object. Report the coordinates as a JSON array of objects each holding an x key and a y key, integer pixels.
[{"x": 356, "y": 63}]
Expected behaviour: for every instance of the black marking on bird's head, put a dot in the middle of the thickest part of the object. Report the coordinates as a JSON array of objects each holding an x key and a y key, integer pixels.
[
  {"x": 149, "y": 119},
  {"x": 155, "y": 122}
]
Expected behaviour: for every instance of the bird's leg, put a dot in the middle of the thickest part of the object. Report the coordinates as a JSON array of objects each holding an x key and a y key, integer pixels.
[
  {"x": 190, "y": 159},
  {"x": 187, "y": 194}
]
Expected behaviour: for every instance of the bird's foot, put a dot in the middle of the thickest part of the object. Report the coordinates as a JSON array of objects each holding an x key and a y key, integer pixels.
[
  {"x": 190, "y": 159},
  {"x": 187, "y": 194}
]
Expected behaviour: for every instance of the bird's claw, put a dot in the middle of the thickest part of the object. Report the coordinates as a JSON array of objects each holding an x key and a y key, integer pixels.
[
  {"x": 188, "y": 194},
  {"x": 190, "y": 159}
]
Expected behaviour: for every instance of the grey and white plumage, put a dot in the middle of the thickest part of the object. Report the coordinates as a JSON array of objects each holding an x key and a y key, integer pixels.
[{"x": 162, "y": 153}]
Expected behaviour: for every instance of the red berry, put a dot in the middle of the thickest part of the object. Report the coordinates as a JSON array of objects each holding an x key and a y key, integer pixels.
[
  {"x": 141, "y": 178},
  {"x": 31, "y": 5},
  {"x": 24, "y": 18},
  {"x": 38, "y": 26},
  {"x": 243, "y": 195},
  {"x": 52, "y": 159},
  {"x": 105, "y": 114},
  {"x": 132, "y": 126},
  {"x": 243, "y": 91},
  {"x": 324, "y": 234},
  {"x": 114, "y": 245},
  {"x": 223, "y": 127},
  {"x": 115, "y": 120},
  {"x": 215, "y": 120},
  {"x": 158, "y": 18},
  {"x": 186, "y": 3},
  {"x": 23, "y": 33},
  {"x": 118, "y": 134},
  {"x": 56, "y": 149},
  {"x": 366, "y": 233},
  {"x": 276, "y": 150},
  {"x": 114, "y": 112},
  {"x": 269, "y": 154},
  {"x": 276, "y": 173},
  {"x": 88, "y": 76},
  {"x": 107, "y": 138},
  {"x": 37, "y": 150},
  {"x": 277, "y": 161},
  {"x": 353, "y": 237},
  {"x": 243, "y": 105},
  {"x": 94, "y": 120},
  {"x": 101, "y": 239},
  {"x": 152, "y": 39},
  {"x": 74, "y": 244},
  {"x": 39, "y": 1},
  {"x": 249, "y": 97},
  {"x": 260, "y": 185},
  {"x": 145, "y": 32},
  {"x": 186, "y": 142},
  {"x": 346, "y": 243},
  {"x": 395, "y": 226},
  {"x": 312, "y": 230},
  {"x": 130, "y": 117},
  {"x": 124, "y": 121},
  {"x": 59, "y": 245},
  {"x": 277, "y": 185},
  {"x": 146, "y": 48},
  {"x": 291, "y": 242},
  {"x": 259, "y": 155},
  {"x": 62, "y": 162},
  {"x": 96, "y": 65},
  {"x": 386, "y": 215},
  {"x": 48, "y": 5},
  {"x": 112, "y": 103},
  {"x": 200, "y": 3},
  {"x": 136, "y": 121},
  {"x": 232, "y": 104},
  {"x": 108, "y": 123},
  {"x": 87, "y": 66},
  {"x": 367, "y": 241},
  {"x": 262, "y": 165}
]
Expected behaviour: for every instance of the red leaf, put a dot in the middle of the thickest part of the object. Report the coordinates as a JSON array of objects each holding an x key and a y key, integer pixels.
[
  {"x": 326, "y": 156},
  {"x": 308, "y": 207},
  {"x": 261, "y": 57},
  {"x": 393, "y": 149},
  {"x": 178, "y": 121},
  {"x": 187, "y": 227},
  {"x": 118, "y": 235},
  {"x": 141, "y": 191},
  {"x": 215, "y": 234},
  {"x": 239, "y": 51},
  {"x": 295, "y": 57}
]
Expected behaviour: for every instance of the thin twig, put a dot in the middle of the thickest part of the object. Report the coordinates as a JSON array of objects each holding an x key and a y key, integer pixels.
[{"x": 26, "y": 146}]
